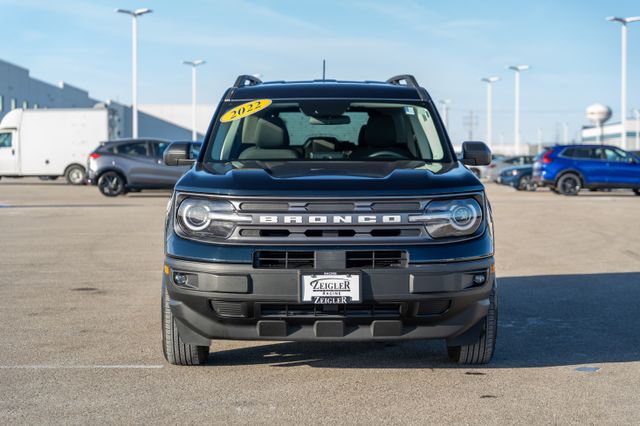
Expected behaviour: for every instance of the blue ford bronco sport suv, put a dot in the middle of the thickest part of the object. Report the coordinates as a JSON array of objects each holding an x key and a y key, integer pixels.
[{"x": 328, "y": 211}]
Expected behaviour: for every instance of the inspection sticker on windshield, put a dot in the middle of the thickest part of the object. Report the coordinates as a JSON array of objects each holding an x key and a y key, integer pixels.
[
  {"x": 245, "y": 110},
  {"x": 331, "y": 288}
]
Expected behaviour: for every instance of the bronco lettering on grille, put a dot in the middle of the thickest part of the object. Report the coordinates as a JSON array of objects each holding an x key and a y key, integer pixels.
[{"x": 328, "y": 219}]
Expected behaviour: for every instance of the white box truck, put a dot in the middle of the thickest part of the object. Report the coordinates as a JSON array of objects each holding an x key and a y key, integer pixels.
[{"x": 51, "y": 142}]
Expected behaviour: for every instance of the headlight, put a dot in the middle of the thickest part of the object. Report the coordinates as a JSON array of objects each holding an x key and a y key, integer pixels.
[
  {"x": 514, "y": 172},
  {"x": 201, "y": 218},
  {"x": 451, "y": 218}
]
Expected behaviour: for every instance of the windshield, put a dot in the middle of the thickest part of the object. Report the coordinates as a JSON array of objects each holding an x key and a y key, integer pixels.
[{"x": 326, "y": 130}]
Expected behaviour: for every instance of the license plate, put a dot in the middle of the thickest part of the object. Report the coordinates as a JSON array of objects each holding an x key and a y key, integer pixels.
[{"x": 330, "y": 288}]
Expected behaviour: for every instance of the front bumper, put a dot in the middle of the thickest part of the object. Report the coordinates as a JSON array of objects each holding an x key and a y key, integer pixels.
[{"x": 241, "y": 302}]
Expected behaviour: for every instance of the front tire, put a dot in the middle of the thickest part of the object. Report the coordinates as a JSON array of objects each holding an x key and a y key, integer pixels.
[
  {"x": 111, "y": 184},
  {"x": 525, "y": 183},
  {"x": 569, "y": 184},
  {"x": 481, "y": 351},
  {"x": 75, "y": 174},
  {"x": 175, "y": 351}
]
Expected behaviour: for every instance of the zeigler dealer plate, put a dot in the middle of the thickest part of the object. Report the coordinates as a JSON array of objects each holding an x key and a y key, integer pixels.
[{"x": 331, "y": 288}]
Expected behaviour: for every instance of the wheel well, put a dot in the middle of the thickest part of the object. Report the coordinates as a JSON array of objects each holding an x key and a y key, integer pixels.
[
  {"x": 570, "y": 172},
  {"x": 119, "y": 172},
  {"x": 84, "y": 169}
]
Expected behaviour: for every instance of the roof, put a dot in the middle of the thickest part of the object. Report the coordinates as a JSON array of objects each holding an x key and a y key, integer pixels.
[{"x": 327, "y": 89}]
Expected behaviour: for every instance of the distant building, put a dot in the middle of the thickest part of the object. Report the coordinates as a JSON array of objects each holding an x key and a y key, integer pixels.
[
  {"x": 611, "y": 134},
  {"x": 19, "y": 90}
]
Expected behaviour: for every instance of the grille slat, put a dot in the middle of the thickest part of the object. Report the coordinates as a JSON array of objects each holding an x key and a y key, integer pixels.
[
  {"x": 387, "y": 310},
  {"x": 284, "y": 259},
  {"x": 377, "y": 259}
]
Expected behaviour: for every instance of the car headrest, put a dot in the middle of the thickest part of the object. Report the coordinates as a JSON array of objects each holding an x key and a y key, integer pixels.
[
  {"x": 380, "y": 131},
  {"x": 267, "y": 132},
  {"x": 361, "y": 141}
]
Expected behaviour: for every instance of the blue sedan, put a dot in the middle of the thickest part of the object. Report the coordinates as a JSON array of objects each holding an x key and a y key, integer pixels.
[{"x": 519, "y": 177}]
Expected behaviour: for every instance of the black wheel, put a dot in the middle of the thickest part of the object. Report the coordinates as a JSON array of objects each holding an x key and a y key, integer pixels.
[
  {"x": 481, "y": 351},
  {"x": 75, "y": 174},
  {"x": 523, "y": 183},
  {"x": 111, "y": 184},
  {"x": 636, "y": 191},
  {"x": 175, "y": 351},
  {"x": 569, "y": 184}
]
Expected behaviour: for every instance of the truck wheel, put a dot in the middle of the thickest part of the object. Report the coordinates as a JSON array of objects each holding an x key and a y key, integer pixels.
[
  {"x": 175, "y": 351},
  {"x": 481, "y": 351},
  {"x": 75, "y": 174},
  {"x": 111, "y": 184}
]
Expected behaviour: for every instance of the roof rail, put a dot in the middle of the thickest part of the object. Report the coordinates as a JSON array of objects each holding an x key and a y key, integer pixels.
[
  {"x": 407, "y": 78},
  {"x": 410, "y": 82},
  {"x": 242, "y": 79}
]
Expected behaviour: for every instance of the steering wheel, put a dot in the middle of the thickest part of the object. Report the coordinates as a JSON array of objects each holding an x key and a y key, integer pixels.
[{"x": 391, "y": 154}]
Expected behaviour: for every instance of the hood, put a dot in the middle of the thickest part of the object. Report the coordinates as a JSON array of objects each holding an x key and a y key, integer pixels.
[
  {"x": 524, "y": 168},
  {"x": 329, "y": 178}
]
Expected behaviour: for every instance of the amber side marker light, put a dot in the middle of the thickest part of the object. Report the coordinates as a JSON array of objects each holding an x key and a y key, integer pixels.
[
  {"x": 166, "y": 270},
  {"x": 492, "y": 269}
]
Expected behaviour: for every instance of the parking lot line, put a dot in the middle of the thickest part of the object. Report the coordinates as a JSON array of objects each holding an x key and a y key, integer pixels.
[{"x": 87, "y": 367}]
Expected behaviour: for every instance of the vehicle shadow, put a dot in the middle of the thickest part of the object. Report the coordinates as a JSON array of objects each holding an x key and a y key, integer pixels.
[
  {"x": 546, "y": 320},
  {"x": 16, "y": 182},
  {"x": 158, "y": 194}
]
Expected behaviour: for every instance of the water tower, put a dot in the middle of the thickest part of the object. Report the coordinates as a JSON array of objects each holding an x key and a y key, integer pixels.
[{"x": 598, "y": 114}]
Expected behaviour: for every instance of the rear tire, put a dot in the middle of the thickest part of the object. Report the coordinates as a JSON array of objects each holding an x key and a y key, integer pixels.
[
  {"x": 75, "y": 174},
  {"x": 111, "y": 184},
  {"x": 481, "y": 351},
  {"x": 569, "y": 184},
  {"x": 175, "y": 351}
]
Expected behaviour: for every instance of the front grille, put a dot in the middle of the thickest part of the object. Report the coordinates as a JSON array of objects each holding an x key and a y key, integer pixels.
[
  {"x": 386, "y": 310},
  {"x": 377, "y": 259},
  {"x": 284, "y": 259},
  {"x": 329, "y": 221}
]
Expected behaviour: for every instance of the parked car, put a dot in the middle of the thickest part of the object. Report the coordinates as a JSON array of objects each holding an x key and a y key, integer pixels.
[
  {"x": 519, "y": 177},
  {"x": 494, "y": 169},
  {"x": 329, "y": 211},
  {"x": 481, "y": 171},
  {"x": 120, "y": 166},
  {"x": 568, "y": 168}
]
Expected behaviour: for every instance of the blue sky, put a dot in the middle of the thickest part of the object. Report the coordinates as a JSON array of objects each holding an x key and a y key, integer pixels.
[{"x": 447, "y": 45}]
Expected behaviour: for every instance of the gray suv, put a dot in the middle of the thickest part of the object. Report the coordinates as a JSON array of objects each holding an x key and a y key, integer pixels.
[{"x": 120, "y": 166}]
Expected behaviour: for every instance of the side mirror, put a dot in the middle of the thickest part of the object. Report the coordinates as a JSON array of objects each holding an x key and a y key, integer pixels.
[
  {"x": 475, "y": 154},
  {"x": 178, "y": 154}
]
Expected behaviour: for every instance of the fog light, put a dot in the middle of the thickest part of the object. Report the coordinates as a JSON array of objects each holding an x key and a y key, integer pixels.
[
  {"x": 180, "y": 279},
  {"x": 479, "y": 279}
]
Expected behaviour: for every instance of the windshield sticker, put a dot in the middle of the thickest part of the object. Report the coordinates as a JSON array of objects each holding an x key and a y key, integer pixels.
[
  {"x": 409, "y": 110},
  {"x": 245, "y": 110}
]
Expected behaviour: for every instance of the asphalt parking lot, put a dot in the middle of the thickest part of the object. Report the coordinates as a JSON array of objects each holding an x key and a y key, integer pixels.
[{"x": 79, "y": 323}]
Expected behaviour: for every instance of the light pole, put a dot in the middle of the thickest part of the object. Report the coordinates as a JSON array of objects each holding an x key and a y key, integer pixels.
[
  {"x": 517, "y": 69},
  {"x": 134, "y": 64},
  {"x": 194, "y": 65},
  {"x": 490, "y": 81},
  {"x": 565, "y": 130},
  {"x": 623, "y": 75},
  {"x": 636, "y": 113},
  {"x": 445, "y": 112}
]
